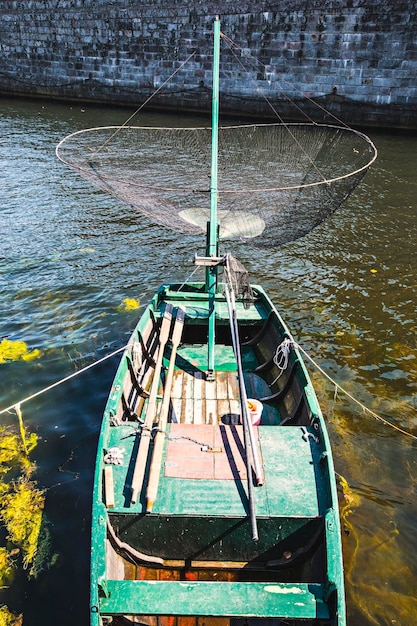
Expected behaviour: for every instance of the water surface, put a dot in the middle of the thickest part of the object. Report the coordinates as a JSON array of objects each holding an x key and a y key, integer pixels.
[{"x": 70, "y": 255}]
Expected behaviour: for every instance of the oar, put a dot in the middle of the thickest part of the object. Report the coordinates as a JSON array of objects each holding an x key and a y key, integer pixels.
[
  {"x": 242, "y": 388},
  {"x": 245, "y": 416},
  {"x": 145, "y": 437},
  {"x": 158, "y": 444}
]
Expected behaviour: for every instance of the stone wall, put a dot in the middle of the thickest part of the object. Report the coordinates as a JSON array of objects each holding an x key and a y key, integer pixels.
[{"x": 358, "y": 58}]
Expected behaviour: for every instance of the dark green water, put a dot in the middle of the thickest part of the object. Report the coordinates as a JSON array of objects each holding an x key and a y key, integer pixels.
[{"x": 70, "y": 254}]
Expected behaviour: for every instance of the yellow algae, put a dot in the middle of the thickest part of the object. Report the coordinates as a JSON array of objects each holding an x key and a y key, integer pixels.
[
  {"x": 379, "y": 556},
  {"x": 351, "y": 499},
  {"x": 129, "y": 304},
  {"x": 13, "y": 452},
  {"x": 6, "y": 569},
  {"x": 30, "y": 356},
  {"x": 21, "y": 503},
  {"x": 9, "y": 619},
  {"x": 21, "y": 512},
  {"x": 379, "y": 584},
  {"x": 16, "y": 350},
  {"x": 350, "y": 502},
  {"x": 9, "y": 447}
]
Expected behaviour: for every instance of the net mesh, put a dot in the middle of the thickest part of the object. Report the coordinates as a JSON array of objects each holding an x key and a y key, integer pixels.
[
  {"x": 276, "y": 182},
  {"x": 238, "y": 280}
]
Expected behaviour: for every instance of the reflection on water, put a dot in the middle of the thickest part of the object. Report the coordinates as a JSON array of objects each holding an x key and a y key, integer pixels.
[{"x": 70, "y": 255}]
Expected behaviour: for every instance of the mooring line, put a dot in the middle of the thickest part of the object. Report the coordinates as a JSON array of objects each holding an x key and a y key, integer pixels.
[
  {"x": 60, "y": 382},
  {"x": 363, "y": 407},
  {"x": 16, "y": 405}
]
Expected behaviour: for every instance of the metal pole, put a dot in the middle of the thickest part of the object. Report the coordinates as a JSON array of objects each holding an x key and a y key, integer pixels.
[{"x": 211, "y": 275}]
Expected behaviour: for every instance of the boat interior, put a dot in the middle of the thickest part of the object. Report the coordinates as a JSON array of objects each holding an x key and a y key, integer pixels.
[{"x": 199, "y": 527}]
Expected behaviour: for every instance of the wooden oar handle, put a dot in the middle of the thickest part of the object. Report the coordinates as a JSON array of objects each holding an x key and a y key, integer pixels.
[
  {"x": 142, "y": 455},
  {"x": 158, "y": 446}
]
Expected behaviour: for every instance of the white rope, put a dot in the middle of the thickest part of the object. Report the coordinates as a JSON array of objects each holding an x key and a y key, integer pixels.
[
  {"x": 281, "y": 357},
  {"x": 339, "y": 387},
  {"x": 60, "y": 382},
  {"x": 189, "y": 278},
  {"x": 280, "y": 360}
]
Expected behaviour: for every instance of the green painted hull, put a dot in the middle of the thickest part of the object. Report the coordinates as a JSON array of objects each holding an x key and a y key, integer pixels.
[{"x": 192, "y": 558}]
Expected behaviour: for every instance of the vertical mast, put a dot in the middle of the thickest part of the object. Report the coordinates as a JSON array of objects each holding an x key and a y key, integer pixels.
[
  {"x": 212, "y": 235},
  {"x": 214, "y": 140}
]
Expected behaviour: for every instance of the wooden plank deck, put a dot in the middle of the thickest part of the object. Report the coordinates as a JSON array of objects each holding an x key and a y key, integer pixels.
[{"x": 196, "y": 400}]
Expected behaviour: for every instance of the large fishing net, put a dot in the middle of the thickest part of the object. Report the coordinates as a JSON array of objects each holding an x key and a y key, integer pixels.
[{"x": 276, "y": 182}]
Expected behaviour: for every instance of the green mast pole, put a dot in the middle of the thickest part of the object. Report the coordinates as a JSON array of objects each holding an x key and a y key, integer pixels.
[{"x": 212, "y": 239}]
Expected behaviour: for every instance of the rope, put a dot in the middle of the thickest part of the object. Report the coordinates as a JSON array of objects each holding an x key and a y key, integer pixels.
[
  {"x": 280, "y": 360},
  {"x": 355, "y": 400},
  {"x": 16, "y": 405},
  {"x": 181, "y": 287},
  {"x": 281, "y": 357},
  {"x": 100, "y": 148}
]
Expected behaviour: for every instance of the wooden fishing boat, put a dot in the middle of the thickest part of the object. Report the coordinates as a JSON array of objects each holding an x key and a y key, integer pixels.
[
  {"x": 174, "y": 538},
  {"x": 215, "y": 499}
]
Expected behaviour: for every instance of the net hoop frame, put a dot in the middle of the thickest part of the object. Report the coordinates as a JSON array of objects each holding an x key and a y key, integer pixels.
[{"x": 310, "y": 125}]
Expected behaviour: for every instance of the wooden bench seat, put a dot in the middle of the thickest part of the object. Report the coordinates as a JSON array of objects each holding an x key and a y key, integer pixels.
[{"x": 216, "y": 599}]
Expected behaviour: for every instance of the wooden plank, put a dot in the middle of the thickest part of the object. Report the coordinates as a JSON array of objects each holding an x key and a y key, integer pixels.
[
  {"x": 222, "y": 405},
  {"x": 114, "y": 564},
  {"x": 198, "y": 401},
  {"x": 198, "y": 598},
  {"x": 211, "y": 404},
  {"x": 188, "y": 399},
  {"x": 159, "y": 438},
  {"x": 199, "y": 415},
  {"x": 176, "y": 396},
  {"x": 108, "y": 487},
  {"x": 233, "y": 393}
]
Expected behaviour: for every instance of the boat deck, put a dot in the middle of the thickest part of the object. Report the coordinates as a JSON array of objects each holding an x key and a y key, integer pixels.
[{"x": 195, "y": 480}]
